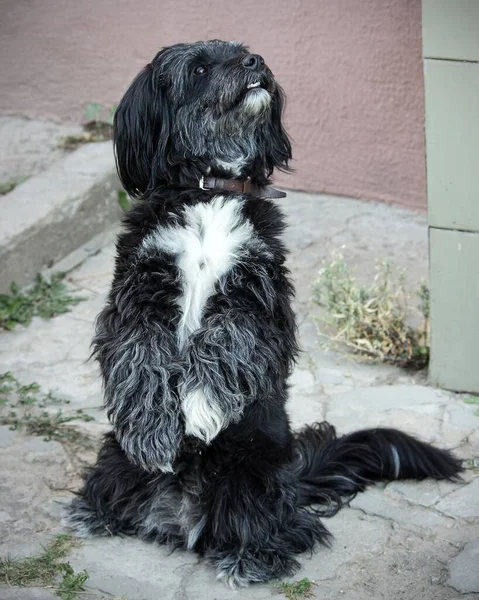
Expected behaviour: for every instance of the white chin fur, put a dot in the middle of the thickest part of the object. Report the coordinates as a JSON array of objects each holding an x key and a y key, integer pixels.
[{"x": 256, "y": 101}]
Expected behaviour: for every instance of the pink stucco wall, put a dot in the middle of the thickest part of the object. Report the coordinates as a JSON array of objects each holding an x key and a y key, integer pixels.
[{"x": 352, "y": 70}]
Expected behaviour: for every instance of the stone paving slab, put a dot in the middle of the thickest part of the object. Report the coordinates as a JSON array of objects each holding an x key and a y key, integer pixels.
[
  {"x": 400, "y": 541},
  {"x": 27, "y": 594},
  {"x": 462, "y": 576}
]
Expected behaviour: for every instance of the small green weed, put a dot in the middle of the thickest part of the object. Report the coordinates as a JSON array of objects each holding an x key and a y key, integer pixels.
[
  {"x": 472, "y": 400},
  {"x": 98, "y": 126},
  {"x": 124, "y": 201},
  {"x": 95, "y": 113},
  {"x": 45, "y": 570},
  {"x": 297, "y": 590},
  {"x": 11, "y": 184},
  {"x": 473, "y": 464},
  {"x": 50, "y": 426},
  {"x": 71, "y": 583},
  {"x": 372, "y": 320},
  {"x": 46, "y": 299},
  {"x": 21, "y": 408}
]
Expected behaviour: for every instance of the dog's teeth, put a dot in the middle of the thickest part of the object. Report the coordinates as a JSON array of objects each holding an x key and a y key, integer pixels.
[{"x": 253, "y": 85}]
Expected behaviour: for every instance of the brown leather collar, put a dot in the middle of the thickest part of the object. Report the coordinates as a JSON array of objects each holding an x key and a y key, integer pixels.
[{"x": 243, "y": 186}]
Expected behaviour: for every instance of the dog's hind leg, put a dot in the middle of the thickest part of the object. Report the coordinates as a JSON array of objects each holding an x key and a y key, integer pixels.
[
  {"x": 121, "y": 498},
  {"x": 252, "y": 525}
]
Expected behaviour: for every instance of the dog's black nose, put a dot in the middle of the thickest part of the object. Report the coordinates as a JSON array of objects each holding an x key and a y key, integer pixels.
[{"x": 253, "y": 62}]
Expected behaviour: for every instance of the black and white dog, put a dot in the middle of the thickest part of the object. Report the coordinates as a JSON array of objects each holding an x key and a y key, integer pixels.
[{"x": 197, "y": 339}]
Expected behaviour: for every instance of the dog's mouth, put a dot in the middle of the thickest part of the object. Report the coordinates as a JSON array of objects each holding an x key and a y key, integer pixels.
[
  {"x": 254, "y": 92},
  {"x": 260, "y": 84}
]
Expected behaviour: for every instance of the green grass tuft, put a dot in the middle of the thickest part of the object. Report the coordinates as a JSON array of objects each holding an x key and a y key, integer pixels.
[
  {"x": 45, "y": 570},
  {"x": 45, "y": 299},
  {"x": 21, "y": 408},
  {"x": 297, "y": 590}
]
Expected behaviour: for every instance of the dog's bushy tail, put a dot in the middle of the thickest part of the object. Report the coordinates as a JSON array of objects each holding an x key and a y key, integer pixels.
[{"x": 333, "y": 470}]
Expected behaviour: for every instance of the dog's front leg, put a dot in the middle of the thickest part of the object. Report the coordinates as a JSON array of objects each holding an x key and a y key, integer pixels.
[
  {"x": 136, "y": 357},
  {"x": 237, "y": 357}
]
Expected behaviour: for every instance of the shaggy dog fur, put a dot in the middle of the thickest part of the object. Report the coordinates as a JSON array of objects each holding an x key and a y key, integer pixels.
[{"x": 197, "y": 339}]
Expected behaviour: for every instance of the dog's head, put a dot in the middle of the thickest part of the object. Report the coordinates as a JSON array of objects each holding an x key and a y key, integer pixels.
[{"x": 208, "y": 108}]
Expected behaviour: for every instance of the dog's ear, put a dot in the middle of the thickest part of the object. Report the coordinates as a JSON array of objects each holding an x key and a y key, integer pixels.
[
  {"x": 141, "y": 133},
  {"x": 278, "y": 143}
]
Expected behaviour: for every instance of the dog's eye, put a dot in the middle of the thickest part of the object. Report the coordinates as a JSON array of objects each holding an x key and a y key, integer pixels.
[{"x": 200, "y": 70}]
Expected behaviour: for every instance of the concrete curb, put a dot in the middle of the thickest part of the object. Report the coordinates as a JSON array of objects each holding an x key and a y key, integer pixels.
[{"x": 55, "y": 212}]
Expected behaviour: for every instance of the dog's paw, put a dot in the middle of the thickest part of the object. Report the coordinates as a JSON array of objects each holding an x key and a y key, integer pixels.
[
  {"x": 152, "y": 452},
  {"x": 204, "y": 419},
  {"x": 232, "y": 581},
  {"x": 239, "y": 569},
  {"x": 81, "y": 519}
]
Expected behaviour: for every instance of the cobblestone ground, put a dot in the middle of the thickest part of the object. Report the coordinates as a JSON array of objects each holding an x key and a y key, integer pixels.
[{"x": 400, "y": 541}]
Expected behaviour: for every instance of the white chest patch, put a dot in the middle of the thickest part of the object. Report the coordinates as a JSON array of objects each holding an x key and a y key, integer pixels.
[
  {"x": 206, "y": 248},
  {"x": 212, "y": 240}
]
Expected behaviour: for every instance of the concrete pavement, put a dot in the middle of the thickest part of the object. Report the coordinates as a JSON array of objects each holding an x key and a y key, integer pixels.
[{"x": 401, "y": 541}]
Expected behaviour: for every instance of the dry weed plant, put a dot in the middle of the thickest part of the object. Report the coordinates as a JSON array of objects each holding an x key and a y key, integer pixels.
[{"x": 373, "y": 320}]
